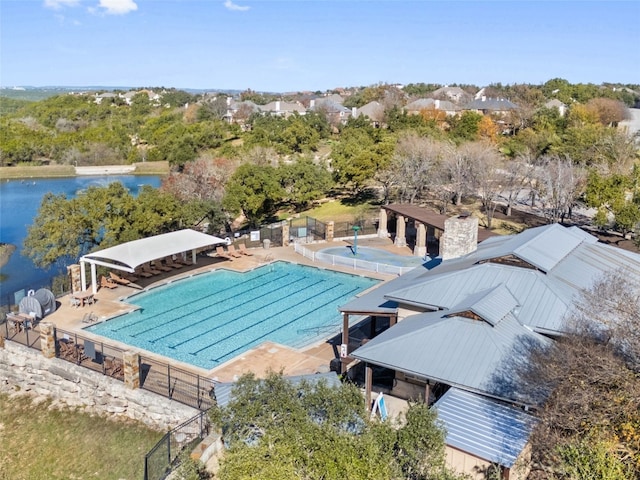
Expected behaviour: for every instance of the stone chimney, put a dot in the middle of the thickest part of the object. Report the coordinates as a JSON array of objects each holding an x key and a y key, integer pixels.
[{"x": 460, "y": 236}]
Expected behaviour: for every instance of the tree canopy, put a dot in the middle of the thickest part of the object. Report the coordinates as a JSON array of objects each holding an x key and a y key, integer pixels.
[{"x": 275, "y": 429}]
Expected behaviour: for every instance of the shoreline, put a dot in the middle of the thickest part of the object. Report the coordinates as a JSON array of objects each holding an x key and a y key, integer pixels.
[
  {"x": 6, "y": 250},
  {"x": 60, "y": 171}
]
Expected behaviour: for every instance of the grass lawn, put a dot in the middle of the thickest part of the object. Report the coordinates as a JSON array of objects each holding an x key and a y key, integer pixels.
[
  {"x": 38, "y": 443},
  {"x": 339, "y": 211}
]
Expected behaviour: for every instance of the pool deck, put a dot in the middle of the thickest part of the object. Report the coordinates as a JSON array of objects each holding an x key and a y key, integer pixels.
[{"x": 260, "y": 360}]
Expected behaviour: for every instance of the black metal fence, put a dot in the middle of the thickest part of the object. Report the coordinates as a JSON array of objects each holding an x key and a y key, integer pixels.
[
  {"x": 307, "y": 228},
  {"x": 176, "y": 383},
  {"x": 160, "y": 460},
  {"x": 345, "y": 229},
  {"x": 23, "y": 334},
  {"x": 86, "y": 352}
]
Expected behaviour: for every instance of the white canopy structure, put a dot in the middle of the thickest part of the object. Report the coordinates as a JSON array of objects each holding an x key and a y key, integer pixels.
[{"x": 128, "y": 256}]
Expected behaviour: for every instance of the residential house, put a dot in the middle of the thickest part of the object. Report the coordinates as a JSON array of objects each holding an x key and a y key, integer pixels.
[
  {"x": 555, "y": 103},
  {"x": 282, "y": 108},
  {"x": 454, "y": 94},
  {"x": 335, "y": 112},
  {"x": 495, "y": 106},
  {"x": 425, "y": 104},
  {"x": 373, "y": 110}
]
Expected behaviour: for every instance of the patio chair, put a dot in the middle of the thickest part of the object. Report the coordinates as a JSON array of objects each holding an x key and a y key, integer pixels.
[
  {"x": 118, "y": 279},
  {"x": 183, "y": 261},
  {"x": 242, "y": 248},
  {"x": 89, "y": 318},
  {"x": 233, "y": 252},
  {"x": 159, "y": 266},
  {"x": 169, "y": 262},
  {"x": 221, "y": 253},
  {"x": 147, "y": 268},
  {"x": 73, "y": 301},
  {"x": 141, "y": 273},
  {"x": 107, "y": 283}
]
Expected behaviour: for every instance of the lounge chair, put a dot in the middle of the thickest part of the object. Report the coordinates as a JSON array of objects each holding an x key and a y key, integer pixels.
[
  {"x": 168, "y": 261},
  {"x": 159, "y": 266},
  {"x": 89, "y": 318},
  {"x": 242, "y": 248},
  {"x": 221, "y": 253},
  {"x": 141, "y": 273},
  {"x": 147, "y": 268},
  {"x": 118, "y": 279},
  {"x": 183, "y": 261},
  {"x": 107, "y": 283},
  {"x": 233, "y": 252}
]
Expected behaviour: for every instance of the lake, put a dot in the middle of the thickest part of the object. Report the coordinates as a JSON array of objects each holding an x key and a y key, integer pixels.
[{"x": 19, "y": 203}]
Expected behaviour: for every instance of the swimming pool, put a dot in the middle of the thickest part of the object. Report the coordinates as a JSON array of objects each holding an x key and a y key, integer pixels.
[{"x": 210, "y": 318}]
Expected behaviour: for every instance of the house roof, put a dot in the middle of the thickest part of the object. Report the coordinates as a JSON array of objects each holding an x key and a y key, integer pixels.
[
  {"x": 488, "y": 429},
  {"x": 494, "y": 104},
  {"x": 127, "y": 256},
  {"x": 475, "y": 355},
  {"x": 373, "y": 110}
]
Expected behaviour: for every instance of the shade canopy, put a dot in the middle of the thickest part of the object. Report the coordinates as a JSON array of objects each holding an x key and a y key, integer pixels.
[{"x": 128, "y": 256}]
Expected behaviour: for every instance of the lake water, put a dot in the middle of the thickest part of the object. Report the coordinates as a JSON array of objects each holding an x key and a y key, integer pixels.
[{"x": 19, "y": 204}]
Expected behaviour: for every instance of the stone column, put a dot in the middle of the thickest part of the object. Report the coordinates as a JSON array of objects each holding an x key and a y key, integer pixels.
[
  {"x": 401, "y": 239},
  {"x": 285, "y": 234},
  {"x": 74, "y": 275},
  {"x": 382, "y": 224},
  {"x": 420, "y": 249},
  {"x": 48, "y": 339},
  {"x": 131, "y": 362},
  {"x": 330, "y": 231}
]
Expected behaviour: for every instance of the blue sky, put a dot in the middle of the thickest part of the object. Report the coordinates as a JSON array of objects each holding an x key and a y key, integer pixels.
[{"x": 292, "y": 45}]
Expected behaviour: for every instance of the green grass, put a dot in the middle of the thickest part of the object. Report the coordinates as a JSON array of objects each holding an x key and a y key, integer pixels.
[
  {"x": 339, "y": 211},
  {"x": 41, "y": 443}
]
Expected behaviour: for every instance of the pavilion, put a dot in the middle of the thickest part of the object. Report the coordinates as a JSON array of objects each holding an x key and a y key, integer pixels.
[{"x": 130, "y": 255}]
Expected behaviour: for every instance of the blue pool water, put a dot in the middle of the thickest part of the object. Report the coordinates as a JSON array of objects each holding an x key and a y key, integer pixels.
[
  {"x": 210, "y": 318},
  {"x": 375, "y": 255}
]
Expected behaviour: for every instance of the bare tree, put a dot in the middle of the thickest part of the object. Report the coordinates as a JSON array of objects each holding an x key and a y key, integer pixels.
[
  {"x": 559, "y": 183},
  {"x": 203, "y": 179},
  {"x": 457, "y": 168},
  {"x": 487, "y": 179},
  {"x": 515, "y": 175},
  {"x": 416, "y": 158}
]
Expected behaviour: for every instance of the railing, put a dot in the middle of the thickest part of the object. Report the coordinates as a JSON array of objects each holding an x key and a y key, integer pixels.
[
  {"x": 345, "y": 229},
  {"x": 160, "y": 460},
  {"x": 307, "y": 228},
  {"x": 86, "y": 352},
  {"x": 25, "y": 336},
  {"x": 176, "y": 383},
  {"x": 353, "y": 263}
]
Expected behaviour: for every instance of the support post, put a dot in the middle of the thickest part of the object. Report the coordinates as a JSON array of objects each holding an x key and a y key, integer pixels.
[
  {"x": 368, "y": 382},
  {"x": 131, "y": 361}
]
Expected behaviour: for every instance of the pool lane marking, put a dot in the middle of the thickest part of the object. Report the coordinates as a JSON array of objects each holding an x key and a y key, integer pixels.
[
  {"x": 260, "y": 307},
  {"x": 306, "y": 312},
  {"x": 192, "y": 302},
  {"x": 296, "y": 319}
]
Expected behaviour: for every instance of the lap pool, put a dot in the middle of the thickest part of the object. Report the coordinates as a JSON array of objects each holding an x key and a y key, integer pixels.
[{"x": 210, "y": 318}]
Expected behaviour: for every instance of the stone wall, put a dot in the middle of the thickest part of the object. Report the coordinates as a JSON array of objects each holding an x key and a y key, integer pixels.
[
  {"x": 26, "y": 371},
  {"x": 460, "y": 237}
]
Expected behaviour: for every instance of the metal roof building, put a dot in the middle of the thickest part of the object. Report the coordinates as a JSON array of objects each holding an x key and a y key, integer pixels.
[{"x": 490, "y": 430}]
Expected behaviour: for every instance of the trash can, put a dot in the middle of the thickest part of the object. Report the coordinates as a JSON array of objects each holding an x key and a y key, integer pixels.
[{"x": 266, "y": 243}]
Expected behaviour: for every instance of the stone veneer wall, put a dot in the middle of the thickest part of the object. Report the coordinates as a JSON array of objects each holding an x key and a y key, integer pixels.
[
  {"x": 460, "y": 237},
  {"x": 27, "y": 371}
]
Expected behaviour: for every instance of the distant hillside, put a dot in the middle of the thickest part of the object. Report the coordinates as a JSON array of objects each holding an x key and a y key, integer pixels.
[{"x": 40, "y": 93}]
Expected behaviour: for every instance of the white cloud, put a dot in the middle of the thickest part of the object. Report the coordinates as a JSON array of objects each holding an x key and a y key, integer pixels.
[
  {"x": 118, "y": 7},
  {"x": 58, "y": 4},
  {"x": 232, "y": 6}
]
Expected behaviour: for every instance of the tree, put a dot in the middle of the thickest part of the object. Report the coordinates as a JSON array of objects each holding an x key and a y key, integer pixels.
[
  {"x": 359, "y": 154},
  {"x": 615, "y": 196},
  {"x": 254, "y": 191},
  {"x": 304, "y": 181},
  {"x": 276, "y": 429},
  {"x": 416, "y": 158},
  {"x": 99, "y": 218},
  {"x": 609, "y": 112},
  {"x": 559, "y": 184},
  {"x": 589, "y": 424},
  {"x": 487, "y": 177}
]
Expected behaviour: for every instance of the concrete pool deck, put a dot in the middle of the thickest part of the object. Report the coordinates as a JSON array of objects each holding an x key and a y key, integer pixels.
[{"x": 267, "y": 356}]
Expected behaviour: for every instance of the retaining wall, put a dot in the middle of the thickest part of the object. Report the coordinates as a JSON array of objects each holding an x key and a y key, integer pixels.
[{"x": 26, "y": 371}]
